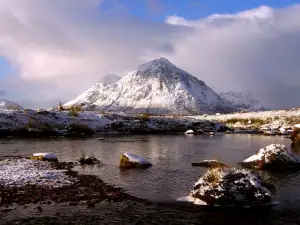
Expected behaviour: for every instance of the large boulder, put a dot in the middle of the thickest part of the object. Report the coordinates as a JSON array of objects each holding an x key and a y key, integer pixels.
[
  {"x": 129, "y": 160},
  {"x": 231, "y": 187},
  {"x": 273, "y": 157}
]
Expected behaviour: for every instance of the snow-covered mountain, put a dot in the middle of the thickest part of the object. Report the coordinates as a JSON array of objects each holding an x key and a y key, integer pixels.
[
  {"x": 243, "y": 101},
  {"x": 5, "y": 104},
  {"x": 156, "y": 87},
  {"x": 109, "y": 79}
]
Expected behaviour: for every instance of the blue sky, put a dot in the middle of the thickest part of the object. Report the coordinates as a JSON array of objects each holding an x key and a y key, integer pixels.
[{"x": 158, "y": 10}]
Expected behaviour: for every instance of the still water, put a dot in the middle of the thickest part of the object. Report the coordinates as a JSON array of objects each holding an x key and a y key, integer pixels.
[{"x": 172, "y": 175}]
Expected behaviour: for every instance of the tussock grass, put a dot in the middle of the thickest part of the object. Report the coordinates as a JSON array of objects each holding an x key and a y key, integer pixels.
[
  {"x": 254, "y": 121},
  {"x": 213, "y": 175},
  {"x": 144, "y": 116}
]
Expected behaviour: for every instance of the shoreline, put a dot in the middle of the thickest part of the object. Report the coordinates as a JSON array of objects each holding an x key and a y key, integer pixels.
[
  {"x": 92, "y": 201},
  {"x": 42, "y": 123}
]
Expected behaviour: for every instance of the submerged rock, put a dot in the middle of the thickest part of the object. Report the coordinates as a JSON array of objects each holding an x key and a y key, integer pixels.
[
  {"x": 86, "y": 160},
  {"x": 46, "y": 156},
  {"x": 129, "y": 160},
  {"x": 209, "y": 163},
  {"x": 231, "y": 187},
  {"x": 273, "y": 157}
]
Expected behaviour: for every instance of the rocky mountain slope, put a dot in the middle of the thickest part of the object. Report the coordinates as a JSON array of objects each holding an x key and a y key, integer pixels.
[
  {"x": 5, "y": 104},
  {"x": 243, "y": 101},
  {"x": 109, "y": 79},
  {"x": 156, "y": 87}
]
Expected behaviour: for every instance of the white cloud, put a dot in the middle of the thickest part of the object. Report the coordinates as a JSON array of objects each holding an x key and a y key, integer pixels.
[
  {"x": 256, "y": 50},
  {"x": 61, "y": 47}
]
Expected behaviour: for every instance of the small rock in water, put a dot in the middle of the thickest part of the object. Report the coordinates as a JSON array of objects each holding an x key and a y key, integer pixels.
[
  {"x": 273, "y": 157},
  {"x": 189, "y": 132},
  {"x": 129, "y": 160},
  {"x": 46, "y": 156},
  {"x": 86, "y": 160},
  {"x": 209, "y": 163}
]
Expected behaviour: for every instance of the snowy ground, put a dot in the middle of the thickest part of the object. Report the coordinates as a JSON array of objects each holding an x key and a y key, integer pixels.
[
  {"x": 36, "y": 121},
  {"x": 60, "y": 122},
  {"x": 20, "y": 172},
  {"x": 270, "y": 119}
]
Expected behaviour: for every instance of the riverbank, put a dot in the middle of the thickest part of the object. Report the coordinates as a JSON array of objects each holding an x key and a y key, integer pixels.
[
  {"x": 85, "y": 202},
  {"x": 257, "y": 122},
  {"x": 43, "y": 123}
]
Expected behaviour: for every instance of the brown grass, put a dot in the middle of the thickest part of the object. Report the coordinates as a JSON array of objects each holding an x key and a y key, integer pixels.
[
  {"x": 254, "y": 121},
  {"x": 213, "y": 175},
  {"x": 74, "y": 110},
  {"x": 144, "y": 116}
]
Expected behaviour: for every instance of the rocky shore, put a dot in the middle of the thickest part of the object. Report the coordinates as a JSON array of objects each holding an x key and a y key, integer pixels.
[
  {"x": 60, "y": 184},
  {"x": 44, "y": 123},
  {"x": 274, "y": 122}
]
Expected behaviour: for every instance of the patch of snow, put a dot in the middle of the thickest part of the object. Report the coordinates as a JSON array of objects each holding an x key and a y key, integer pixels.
[{"x": 21, "y": 172}]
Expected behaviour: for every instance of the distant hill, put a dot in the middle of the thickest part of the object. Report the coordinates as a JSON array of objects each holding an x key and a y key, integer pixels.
[
  {"x": 5, "y": 104},
  {"x": 243, "y": 101}
]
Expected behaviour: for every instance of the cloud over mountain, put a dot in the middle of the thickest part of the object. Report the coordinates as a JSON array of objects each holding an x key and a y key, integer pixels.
[{"x": 61, "y": 47}]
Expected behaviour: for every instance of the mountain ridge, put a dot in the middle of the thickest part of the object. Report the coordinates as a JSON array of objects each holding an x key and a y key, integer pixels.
[
  {"x": 157, "y": 87},
  {"x": 243, "y": 101}
]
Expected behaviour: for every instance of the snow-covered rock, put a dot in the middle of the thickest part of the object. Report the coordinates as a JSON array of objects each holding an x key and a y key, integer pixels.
[
  {"x": 129, "y": 160},
  {"x": 243, "y": 101},
  {"x": 21, "y": 172},
  {"x": 156, "y": 87},
  {"x": 46, "y": 156},
  {"x": 231, "y": 187},
  {"x": 109, "y": 79},
  {"x": 5, "y": 104},
  {"x": 274, "y": 157},
  {"x": 189, "y": 132}
]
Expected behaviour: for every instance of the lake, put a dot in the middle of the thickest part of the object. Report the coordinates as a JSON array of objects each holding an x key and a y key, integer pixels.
[{"x": 172, "y": 175}]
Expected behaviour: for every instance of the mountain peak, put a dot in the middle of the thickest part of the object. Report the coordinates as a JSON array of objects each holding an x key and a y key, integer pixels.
[
  {"x": 157, "y": 87},
  {"x": 156, "y": 64}
]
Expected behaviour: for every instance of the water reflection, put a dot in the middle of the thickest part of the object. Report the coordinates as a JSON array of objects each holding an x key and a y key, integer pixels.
[{"x": 171, "y": 155}]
